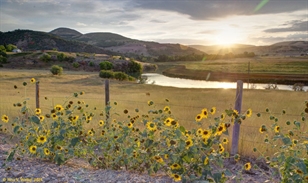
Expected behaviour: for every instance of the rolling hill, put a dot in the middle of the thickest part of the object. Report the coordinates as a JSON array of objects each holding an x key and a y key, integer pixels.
[
  {"x": 28, "y": 40},
  {"x": 129, "y": 47}
]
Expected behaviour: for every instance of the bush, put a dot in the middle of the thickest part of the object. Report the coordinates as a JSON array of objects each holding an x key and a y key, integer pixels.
[
  {"x": 106, "y": 65},
  {"x": 56, "y": 70},
  {"x": 91, "y": 64},
  {"x": 134, "y": 69},
  {"x": 106, "y": 74},
  {"x": 76, "y": 64},
  {"x": 121, "y": 76},
  {"x": 45, "y": 57}
]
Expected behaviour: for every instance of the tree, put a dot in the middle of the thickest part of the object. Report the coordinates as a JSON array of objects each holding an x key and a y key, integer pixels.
[
  {"x": 10, "y": 47},
  {"x": 56, "y": 70},
  {"x": 106, "y": 65}
]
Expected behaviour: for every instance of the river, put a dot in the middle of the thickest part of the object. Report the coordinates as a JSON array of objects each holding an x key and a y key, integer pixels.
[{"x": 161, "y": 80}]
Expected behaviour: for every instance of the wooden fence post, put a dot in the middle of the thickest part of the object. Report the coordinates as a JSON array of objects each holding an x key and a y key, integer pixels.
[
  {"x": 37, "y": 94},
  {"x": 107, "y": 102},
  {"x": 236, "y": 127}
]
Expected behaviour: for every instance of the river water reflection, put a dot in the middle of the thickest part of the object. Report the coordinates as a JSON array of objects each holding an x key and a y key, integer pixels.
[{"x": 161, "y": 80}]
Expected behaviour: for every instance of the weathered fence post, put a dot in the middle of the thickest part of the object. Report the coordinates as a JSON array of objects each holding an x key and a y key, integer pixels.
[
  {"x": 37, "y": 94},
  {"x": 236, "y": 127},
  {"x": 107, "y": 102}
]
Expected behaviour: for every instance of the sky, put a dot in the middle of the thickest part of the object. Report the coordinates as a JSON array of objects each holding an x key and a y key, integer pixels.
[{"x": 189, "y": 22}]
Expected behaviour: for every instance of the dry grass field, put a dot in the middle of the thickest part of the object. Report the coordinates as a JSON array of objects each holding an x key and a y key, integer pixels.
[{"x": 185, "y": 104}]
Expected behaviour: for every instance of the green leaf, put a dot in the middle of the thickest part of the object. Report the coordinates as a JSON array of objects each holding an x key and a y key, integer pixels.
[
  {"x": 68, "y": 112},
  {"x": 178, "y": 133},
  {"x": 217, "y": 177},
  {"x": 16, "y": 129},
  {"x": 182, "y": 129},
  {"x": 54, "y": 125},
  {"x": 186, "y": 158},
  {"x": 302, "y": 166},
  {"x": 11, "y": 156},
  {"x": 35, "y": 119},
  {"x": 286, "y": 140},
  {"x": 74, "y": 141},
  {"x": 62, "y": 132},
  {"x": 129, "y": 151},
  {"x": 297, "y": 124},
  {"x": 59, "y": 159},
  {"x": 24, "y": 109},
  {"x": 228, "y": 173}
]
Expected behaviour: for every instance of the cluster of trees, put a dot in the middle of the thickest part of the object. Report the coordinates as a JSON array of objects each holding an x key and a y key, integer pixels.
[
  {"x": 195, "y": 57},
  {"x": 7, "y": 48},
  {"x": 129, "y": 68}
]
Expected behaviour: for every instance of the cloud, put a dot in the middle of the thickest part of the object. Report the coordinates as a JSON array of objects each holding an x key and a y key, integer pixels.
[
  {"x": 81, "y": 24},
  {"x": 157, "y": 21},
  {"x": 297, "y": 26},
  {"x": 209, "y": 10},
  {"x": 275, "y": 39}
]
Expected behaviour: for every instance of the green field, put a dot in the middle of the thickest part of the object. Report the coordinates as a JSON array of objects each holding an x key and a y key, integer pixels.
[
  {"x": 185, "y": 104},
  {"x": 278, "y": 65}
]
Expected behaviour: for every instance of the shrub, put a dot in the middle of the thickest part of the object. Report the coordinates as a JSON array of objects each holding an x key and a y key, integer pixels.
[
  {"x": 91, "y": 64},
  {"x": 121, "y": 76},
  {"x": 56, "y": 70},
  {"x": 60, "y": 57},
  {"x": 45, "y": 57},
  {"x": 106, "y": 74},
  {"x": 106, "y": 65},
  {"x": 76, "y": 64},
  {"x": 134, "y": 69}
]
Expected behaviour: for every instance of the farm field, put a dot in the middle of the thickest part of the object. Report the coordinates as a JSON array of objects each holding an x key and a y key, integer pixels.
[
  {"x": 185, "y": 104},
  {"x": 283, "y": 70}
]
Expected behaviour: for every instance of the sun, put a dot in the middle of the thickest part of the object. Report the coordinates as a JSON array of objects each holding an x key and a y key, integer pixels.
[{"x": 227, "y": 36}]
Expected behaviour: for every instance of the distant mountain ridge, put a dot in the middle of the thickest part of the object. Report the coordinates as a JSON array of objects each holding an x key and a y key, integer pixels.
[{"x": 70, "y": 40}]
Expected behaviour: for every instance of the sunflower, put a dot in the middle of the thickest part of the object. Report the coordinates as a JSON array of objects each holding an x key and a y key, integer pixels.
[
  {"x": 41, "y": 118},
  {"x": 247, "y": 166},
  {"x": 90, "y": 133},
  {"x": 188, "y": 143},
  {"x": 130, "y": 125},
  {"x": 237, "y": 157},
  {"x": 59, "y": 147},
  {"x": 262, "y": 129},
  {"x": 213, "y": 110},
  {"x": 167, "y": 122},
  {"x": 5, "y": 118},
  {"x": 175, "y": 166},
  {"x": 248, "y": 113},
  {"x": 294, "y": 142},
  {"x": 58, "y": 107},
  {"x": 199, "y": 132},
  {"x": 221, "y": 148},
  {"x": 276, "y": 129},
  {"x": 103, "y": 132},
  {"x": 235, "y": 113},
  {"x": 54, "y": 116},
  {"x": 101, "y": 123},
  {"x": 38, "y": 111},
  {"x": 198, "y": 117},
  {"x": 32, "y": 80},
  {"x": 175, "y": 124},
  {"x": 225, "y": 141},
  {"x": 151, "y": 126},
  {"x": 46, "y": 151},
  {"x": 166, "y": 109},
  {"x": 41, "y": 139},
  {"x": 204, "y": 113},
  {"x": 222, "y": 116},
  {"x": 221, "y": 128},
  {"x": 159, "y": 159},
  {"x": 176, "y": 177},
  {"x": 32, "y": 149},
  {"x": 206, "y": 134},
  {"x": 206, "y": 161},
  {"x": 81, "y": 93},
  {"x": 150, "y": 102}
]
